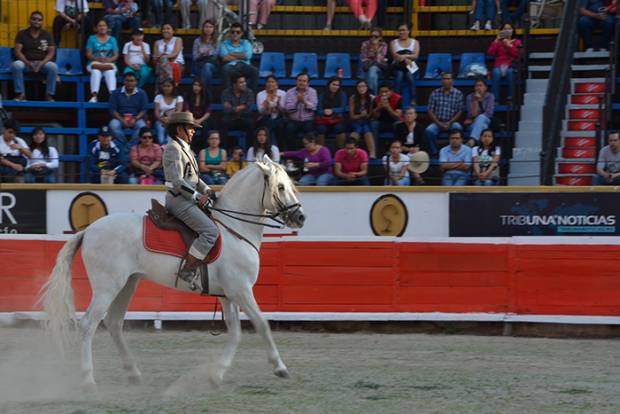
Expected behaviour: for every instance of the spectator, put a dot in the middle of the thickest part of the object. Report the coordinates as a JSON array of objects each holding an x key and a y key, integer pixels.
[
  {"x": 70, "y": 14},
  {"x": 137, "y": 54},
  {"x": 330, "y": 112},
  {"x": 197, "y": 102},
  {"x": 237, "y": 102},
  {"x": 409, "y": 133},
  {"x": 331, "y": 12},
  {"x": 166, "y": 102},
  {"x": 317, "y": 162},
  {"x": 106, "y": 165},
  {"x": 445, "y": 107},
  {"x": 405, "y": 51},
  {"x": 486, "y": 8},
  {"x": 212, "y": 161},
  {"x": 146, "y": 160},
  {"x": 127, "y": 108},
  {"x": 506, "y": 51},
  {"x": 260, "y": 10},
  {"x": 300, "y": 103},
  {"x": 608, "y": 163},
  {"x": 360, "y": 110},
  {"x": 396, "y": 166},
  {"x": 236, "y": 162},
  {"x": 14, "y": 154},
  {"x": 236, "y": 54},
  {"x": 364, "y": 14},
  {"x": 386, "y": 112},
  {"x": 486, "y": 160},
  {"x": 270, "y": 104},
  {"x": 515, "y": 16},
  {"x": 204, "y": 53},
  {"x": 480, "y": 107},
  {"x": 185, "y": 6},
  {"x": 263, "y": 146},
  {"x": 43, "y": 163},
  {"x": 455, "y": 160},
  {"x": 596, "y": 14},
  {"x": 351, "y": 167},
  {"x": 34, "y": 50},
  {"x": 168, "y": 55},
  {"x": 373, "y": 55},
  {"x": 102, "y": 53},
  {"x": 162, "y": 11},
  {"x": 118, "y": 12}
]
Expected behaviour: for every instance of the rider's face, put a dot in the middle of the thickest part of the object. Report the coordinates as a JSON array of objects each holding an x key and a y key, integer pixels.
[{"x": 186, "y": 132}]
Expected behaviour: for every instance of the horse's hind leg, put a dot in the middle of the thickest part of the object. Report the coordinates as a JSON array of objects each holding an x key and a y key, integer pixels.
[
  {"x": 231, "y": 316},
  {"x": 250, "y": 307},
  {"x": 99, "y": 304},
  {"x": 114, "y": 322}
]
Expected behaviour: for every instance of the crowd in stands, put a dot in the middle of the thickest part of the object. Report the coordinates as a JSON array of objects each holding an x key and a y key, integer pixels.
[{"x": 271, "y": 121}]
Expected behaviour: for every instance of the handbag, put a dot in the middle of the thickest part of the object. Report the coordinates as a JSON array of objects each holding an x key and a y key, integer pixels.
[
  {"x": 328, "y": 120},
  {"x": 17, "y": 159}
]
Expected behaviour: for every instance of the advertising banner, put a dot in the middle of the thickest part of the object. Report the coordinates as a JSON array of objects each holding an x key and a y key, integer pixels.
[
  {"x": 23, "y": 212},
  {"x": 534, "y": 214}
]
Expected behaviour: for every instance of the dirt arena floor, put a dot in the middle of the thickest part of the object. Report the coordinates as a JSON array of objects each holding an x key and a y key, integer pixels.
[{"x": 336, "y": 373}]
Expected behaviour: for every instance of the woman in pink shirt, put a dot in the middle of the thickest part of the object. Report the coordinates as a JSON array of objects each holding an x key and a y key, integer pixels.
[
  {"x": 145, "y": 160},
  {"x": 506, "y": 52}
]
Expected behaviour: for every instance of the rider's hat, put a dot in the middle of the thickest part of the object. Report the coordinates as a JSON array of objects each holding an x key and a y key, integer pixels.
[{"x": 183, "y": 118}]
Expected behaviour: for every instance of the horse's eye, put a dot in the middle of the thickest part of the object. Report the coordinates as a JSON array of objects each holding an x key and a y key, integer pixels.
[{"x": 280, "y": 187}]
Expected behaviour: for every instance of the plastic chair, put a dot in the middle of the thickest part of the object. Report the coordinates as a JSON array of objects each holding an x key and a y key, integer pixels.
[
  {"x": 69, "y": 61},
  {"x": 336, "y": 61},
  {"x": 5, "y": 60},
  {"x": 305, "y": 62},
  {"x": 437, "y": 64},
  {"x": 272, "y": 63},
  {"x": 468, "y": 59}
]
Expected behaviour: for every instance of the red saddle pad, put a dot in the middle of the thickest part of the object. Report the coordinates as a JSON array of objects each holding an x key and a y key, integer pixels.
[{"x": 171, "y": 242}]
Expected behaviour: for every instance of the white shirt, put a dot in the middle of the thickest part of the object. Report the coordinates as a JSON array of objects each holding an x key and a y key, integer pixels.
[
  {"x": 396, "y": 167},
  {"x": 262, "y": 95},
  {"x": 165, "y": 48},
  {"x": 50, "y": 162},
  {"x": 275, "y": 154},
  {"x": 484, "y": 158},
  {"x": 164, "y": 107},
  {"x": 6, "y": 150},
  {"x": 136, "y": 57},
  {"x": 78, "y": 4}
]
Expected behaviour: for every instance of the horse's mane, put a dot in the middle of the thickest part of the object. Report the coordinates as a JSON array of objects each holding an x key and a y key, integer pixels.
[{"x": 253, "y": 167}]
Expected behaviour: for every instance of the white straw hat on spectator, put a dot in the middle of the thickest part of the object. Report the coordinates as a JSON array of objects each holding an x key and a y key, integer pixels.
[{"x": 419, "y": 162}]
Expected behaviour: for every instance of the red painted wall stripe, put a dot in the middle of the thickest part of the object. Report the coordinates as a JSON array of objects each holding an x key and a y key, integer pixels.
[{"x": 371, "y": 277}]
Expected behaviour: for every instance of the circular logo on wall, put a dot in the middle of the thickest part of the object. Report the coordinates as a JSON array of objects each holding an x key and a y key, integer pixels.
[
  {"x": 388, "y": 216},
  {"x": 86, "y": 208}
]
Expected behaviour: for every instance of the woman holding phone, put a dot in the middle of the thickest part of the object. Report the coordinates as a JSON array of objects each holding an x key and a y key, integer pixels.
[{"x": 506, "y": 51}]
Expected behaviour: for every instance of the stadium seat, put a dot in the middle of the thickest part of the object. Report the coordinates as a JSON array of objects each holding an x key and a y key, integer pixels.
[
  {"x": 437, "y": 64},
  {"x": 5, "y": 59},
  {"x": 272, "y": 64},
  {"x": 69, "y": 61},
  {"x": 305, "y": 62},
  {"x": 467, "y": 59},
  {"x": 335, "y": 61}
]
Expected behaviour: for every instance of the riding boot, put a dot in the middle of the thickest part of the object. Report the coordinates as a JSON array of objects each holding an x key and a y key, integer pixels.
[{"x": 189, "y": 268}]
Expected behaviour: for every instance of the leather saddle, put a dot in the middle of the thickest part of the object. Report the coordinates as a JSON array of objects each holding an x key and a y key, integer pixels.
[{"x": 164, "y": 220}]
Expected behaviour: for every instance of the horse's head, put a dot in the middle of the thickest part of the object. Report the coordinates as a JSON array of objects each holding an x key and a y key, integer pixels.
[{"x": 280, "y": 196}]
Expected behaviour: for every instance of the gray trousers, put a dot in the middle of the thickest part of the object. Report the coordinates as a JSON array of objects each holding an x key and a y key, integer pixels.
[{"x": 189, "y": 213}]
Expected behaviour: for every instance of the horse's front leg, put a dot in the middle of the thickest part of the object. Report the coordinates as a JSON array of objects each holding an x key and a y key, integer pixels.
[
  {"x": 231, "y": 317},
  {"x": 250, "y": 307}
]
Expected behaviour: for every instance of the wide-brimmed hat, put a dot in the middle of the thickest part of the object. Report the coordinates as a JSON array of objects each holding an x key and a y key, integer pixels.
[
  {"x": 419, "y": 162},
  {"x": 183, "y": 118}
]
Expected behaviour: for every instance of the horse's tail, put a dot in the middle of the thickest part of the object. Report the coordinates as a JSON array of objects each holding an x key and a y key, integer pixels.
[{"x": 57, "y": 294}]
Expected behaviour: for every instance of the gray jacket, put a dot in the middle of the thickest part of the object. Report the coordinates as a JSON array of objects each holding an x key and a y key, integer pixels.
[{"x": 181, "y": 170}]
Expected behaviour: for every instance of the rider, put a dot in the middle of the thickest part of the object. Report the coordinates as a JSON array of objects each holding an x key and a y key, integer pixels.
[{"x": 186, "y": 191}]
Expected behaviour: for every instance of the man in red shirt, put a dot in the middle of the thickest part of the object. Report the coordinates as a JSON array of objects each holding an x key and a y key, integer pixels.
[
  {"x": 386, "y": 112},
  {"x": 351, "y": 166}
]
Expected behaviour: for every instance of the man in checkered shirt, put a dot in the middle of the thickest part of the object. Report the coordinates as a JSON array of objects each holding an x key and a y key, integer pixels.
[{"x": 445, "y": 107}]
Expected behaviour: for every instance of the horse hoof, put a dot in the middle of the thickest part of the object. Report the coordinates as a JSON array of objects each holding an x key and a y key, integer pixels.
[
  {"x": 89, "y": 387},
  {"x": 135, "y": 380},
  {"x": 282, "y": 373}
]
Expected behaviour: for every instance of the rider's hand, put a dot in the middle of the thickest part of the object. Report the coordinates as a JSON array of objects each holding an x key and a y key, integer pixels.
[{"x": 203, "y": 200}]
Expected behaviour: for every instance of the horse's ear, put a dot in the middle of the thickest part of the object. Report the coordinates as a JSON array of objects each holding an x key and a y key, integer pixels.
[
  {"x": 264, "y": 167},
  {"x": 266, "y": 159}
]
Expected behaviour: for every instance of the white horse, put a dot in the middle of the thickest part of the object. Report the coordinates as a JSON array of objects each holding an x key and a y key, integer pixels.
[{"x": 115, "y": 260}]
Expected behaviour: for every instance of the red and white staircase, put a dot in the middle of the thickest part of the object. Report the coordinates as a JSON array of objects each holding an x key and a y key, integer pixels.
[{"x": 576, "y": 161}]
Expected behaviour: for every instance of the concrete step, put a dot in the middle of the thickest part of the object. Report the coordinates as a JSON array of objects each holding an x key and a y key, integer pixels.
[
  {"x": 591, "y": 55},
  {"x": 584, "y": 106},
  {"x": 590, "y": 68},
  {"x": 566, "y": 133},
  {"x": 587, "y": 80}
]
